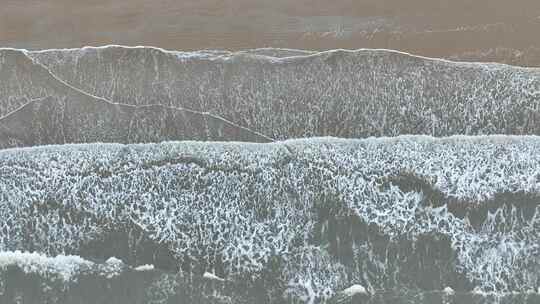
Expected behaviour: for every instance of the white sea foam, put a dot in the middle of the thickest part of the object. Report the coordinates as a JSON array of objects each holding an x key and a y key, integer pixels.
[{"x": 63, "y": 266}]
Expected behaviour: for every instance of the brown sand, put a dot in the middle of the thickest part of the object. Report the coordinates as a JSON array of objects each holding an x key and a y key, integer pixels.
[{"x": 491, "y": 30}]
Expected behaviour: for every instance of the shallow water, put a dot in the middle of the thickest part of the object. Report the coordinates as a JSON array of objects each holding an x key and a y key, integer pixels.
[{"x": 157, "y": 287}]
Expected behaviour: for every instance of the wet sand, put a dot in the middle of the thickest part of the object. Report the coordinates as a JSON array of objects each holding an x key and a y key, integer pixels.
[{"x": 457, "y": 28}]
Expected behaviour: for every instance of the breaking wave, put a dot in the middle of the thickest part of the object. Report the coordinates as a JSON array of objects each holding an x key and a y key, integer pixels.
[{"x": 302, "y": 218}]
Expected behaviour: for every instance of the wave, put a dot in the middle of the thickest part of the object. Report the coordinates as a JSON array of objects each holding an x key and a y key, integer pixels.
[
  {"x": 314, "y": 215},
  {"x": 97, "y": 94},
  {"x": 76, "y": 279}
]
